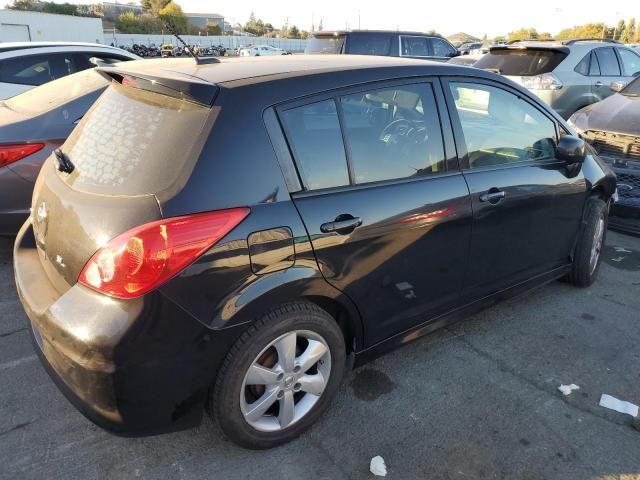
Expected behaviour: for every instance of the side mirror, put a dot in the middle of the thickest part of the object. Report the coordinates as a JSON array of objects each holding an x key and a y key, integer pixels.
[
  {"x": 617, "y": 85},
  {"x": 571, "y": 150}
]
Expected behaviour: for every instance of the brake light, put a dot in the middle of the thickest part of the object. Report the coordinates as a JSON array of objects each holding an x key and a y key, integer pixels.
[
  {"x": 544, "y": 81},
  {"x": 13, "y": 153},
  {"x": 145, "y": 257}
]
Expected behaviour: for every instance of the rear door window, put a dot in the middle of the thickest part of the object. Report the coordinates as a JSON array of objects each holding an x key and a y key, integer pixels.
[
  {"x": 36, "y": 69},
  {"x": 630, "y": 62},
  {"x": 608, "y": 62},
  {"x": 369, "y": 44},
  {"x": 500, "y": 128},
  {"x": 521, "y": 62},
  {"x": 414, "y": 46},
  {"x": 594, "y": 66},
  {"x": 393, "y": 133},
  {"x": 314, "y": 136}
]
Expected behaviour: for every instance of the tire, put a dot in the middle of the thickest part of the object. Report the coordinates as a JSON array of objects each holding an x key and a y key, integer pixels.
[
  {"x": 592, "y": 237},
  {"x": 232, "y": 400}
]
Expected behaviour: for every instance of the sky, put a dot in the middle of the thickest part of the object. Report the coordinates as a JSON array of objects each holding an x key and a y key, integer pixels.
[{"x": 476, "y": 17}]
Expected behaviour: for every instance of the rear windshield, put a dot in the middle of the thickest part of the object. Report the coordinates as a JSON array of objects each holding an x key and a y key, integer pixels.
[
  {"x": 523, "y": 62},
  {"x": 325, "y": 44},
  {"x": 59, "y": 92},
  {"x": 134, "y": 142}
]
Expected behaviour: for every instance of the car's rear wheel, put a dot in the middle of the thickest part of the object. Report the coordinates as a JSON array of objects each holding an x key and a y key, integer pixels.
[
  {"x": 588, "y": 251},
  {"x": 279, "y": 377}
]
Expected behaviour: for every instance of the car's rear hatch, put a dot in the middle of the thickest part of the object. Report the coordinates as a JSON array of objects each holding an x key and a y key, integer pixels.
[
  {"x": 517, "y": 61},
  {"x": 325, "y": 43},
  {"x": 137, "y": 144}
]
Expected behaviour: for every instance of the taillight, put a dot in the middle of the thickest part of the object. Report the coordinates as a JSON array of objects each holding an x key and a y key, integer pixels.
[
  {"x": 544, "y": 81},
  {"x": 13, "y": 153},
  {"x": 144, "y": 257}
]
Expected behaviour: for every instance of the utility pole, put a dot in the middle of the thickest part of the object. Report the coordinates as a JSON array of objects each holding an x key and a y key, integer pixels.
[{"x": 358, "y": 19}]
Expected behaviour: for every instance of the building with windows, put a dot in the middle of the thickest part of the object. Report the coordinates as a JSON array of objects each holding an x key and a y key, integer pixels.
[{"x": 204, "y": 20}]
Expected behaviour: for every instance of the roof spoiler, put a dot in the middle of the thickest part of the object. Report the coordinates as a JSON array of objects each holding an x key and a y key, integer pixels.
[{"x": 193, "y": 89}]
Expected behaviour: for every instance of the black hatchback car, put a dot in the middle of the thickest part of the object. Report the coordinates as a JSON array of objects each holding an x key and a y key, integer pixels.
[{"x": 240, "y": 233}]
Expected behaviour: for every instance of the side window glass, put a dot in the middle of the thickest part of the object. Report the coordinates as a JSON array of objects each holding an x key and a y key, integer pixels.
[
  {"x": 594, "y": 68},
  {"x": 442, "y": 48},
  {"x": 393, "y": 133},
  {"x": 369, "y": 44},
  {"x": 314, "y": 135},
  {"x": 500, "y": 128},
  {"x": 583, "y": 67},
  {"x": 608, "y": 62},
  {"x": 414, "y": 46},
  {"x": 630, "y": 62},
  {"x": 27, "y": 70}
]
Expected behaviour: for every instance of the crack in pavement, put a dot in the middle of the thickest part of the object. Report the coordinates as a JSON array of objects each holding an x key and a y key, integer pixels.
[
  {"x": 540, "y": 387},
  {"x": 15, "y": 363},
  {"x": 17, "y": 427},
  {"x": 6, "y": 334}
]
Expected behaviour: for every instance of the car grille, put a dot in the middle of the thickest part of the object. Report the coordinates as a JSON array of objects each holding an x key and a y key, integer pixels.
[{"x": 614, "y": 145}]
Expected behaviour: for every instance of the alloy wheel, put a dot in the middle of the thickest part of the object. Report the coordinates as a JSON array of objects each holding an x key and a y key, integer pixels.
[
  {"x": 285, "y": 380},
  {"x": 597, "y": 245}
]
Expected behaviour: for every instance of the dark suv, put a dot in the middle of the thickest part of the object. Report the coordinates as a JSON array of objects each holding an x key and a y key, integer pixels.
[
  {"x": 240, "y": 233},
  {"x": 382, "y": 42}
]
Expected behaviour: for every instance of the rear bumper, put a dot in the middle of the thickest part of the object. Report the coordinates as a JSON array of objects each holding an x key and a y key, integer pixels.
[{"x": 136, "y": 367}]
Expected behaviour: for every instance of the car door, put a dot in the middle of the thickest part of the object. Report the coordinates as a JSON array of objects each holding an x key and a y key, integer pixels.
[
  {"x": 609, "y": 72},
  {"x": 388, "y": 215},
  {"x": 527, "y": 205}
]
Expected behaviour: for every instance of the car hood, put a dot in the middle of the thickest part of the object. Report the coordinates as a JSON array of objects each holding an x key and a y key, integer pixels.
[{"x": 617, "y": 113}]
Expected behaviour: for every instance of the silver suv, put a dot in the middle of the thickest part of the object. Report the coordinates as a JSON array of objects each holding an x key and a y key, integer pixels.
[{"x": 566, "y": 75}]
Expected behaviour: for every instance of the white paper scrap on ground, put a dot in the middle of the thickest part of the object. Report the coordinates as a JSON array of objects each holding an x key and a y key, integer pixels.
[
  {"x": 378, "y": 467},
  {"x": 567, "y": 389},
  {"x": 621, "y": 406}
]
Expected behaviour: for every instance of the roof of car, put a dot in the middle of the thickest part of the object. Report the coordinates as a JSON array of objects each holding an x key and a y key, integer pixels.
[
  {"x": 262, "y": 69},
  {"x": 397, "y": 32}
]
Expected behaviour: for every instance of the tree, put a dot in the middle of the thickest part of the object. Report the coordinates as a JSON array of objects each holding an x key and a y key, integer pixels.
[
  {"x": 588, "y": 30},
  {"x": 59, "y": 8},
  {"x": 214, "y": 29},
  {"x": 129, "y": 22},
  {"x": 255, "y": 26},
  {"x": 172, "y": 14},
  {"x": 293, "y": 32},
  {"x": 523, "y": 34},
  {"x": 24, "y": 5},
  {"x": 320, "y": 28},
  {"x": 619, "y": 30},
  {"x": 545, "y": 36},
  {"x": 630, "y": 33},
  {"x": 500, "y": 38},
  {"x": 154, "y": 6}
]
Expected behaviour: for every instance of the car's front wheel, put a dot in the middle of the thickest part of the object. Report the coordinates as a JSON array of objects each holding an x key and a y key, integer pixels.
[
  {"x": 589, "y": 246},
  {"x": 279, "y": 377}
]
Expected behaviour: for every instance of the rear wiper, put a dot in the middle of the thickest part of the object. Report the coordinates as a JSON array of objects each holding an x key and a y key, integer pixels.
[{"x": 64, "y": 164}]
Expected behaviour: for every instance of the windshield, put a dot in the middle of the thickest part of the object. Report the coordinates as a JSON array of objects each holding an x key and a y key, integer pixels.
[
  {"x": 325, "y": 44},
  {"x": 633, "y": 88},
  {"x": 523, "y": 62},
  {"x": 58, "y": 92}
]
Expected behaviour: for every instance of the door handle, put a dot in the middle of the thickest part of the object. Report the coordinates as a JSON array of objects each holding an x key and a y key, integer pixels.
[
  {"x": 493, "y": 196},
  {"x": 599, "y": 84},
  {"x": 341, "y": 226}
]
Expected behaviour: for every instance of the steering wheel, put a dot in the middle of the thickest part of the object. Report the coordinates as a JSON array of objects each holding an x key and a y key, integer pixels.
[{"x": 397, "y": 128}]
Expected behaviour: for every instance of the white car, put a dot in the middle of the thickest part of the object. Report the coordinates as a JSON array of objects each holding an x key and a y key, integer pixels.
[
  {"x": 262, "y": 50},
  {"x": 24, "y": 65}
]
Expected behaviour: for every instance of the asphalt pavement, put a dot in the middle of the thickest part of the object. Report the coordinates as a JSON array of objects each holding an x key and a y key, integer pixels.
[{"x": 478, "y": 400}]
